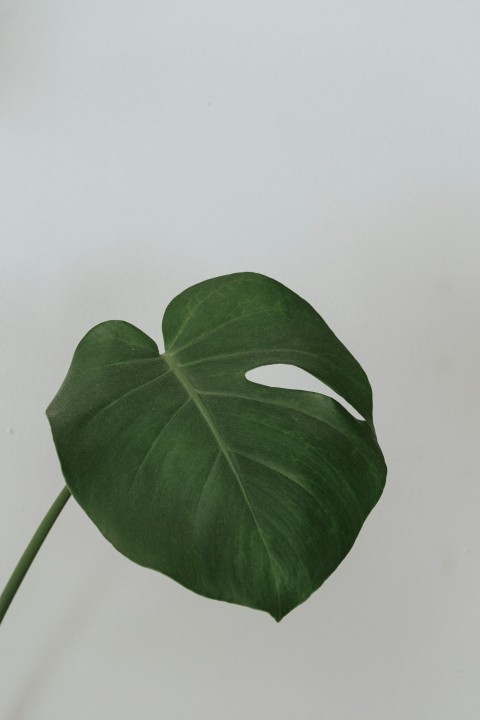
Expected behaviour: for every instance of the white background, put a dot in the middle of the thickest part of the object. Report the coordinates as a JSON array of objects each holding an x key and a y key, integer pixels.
[{"x": 334, "y": 146}]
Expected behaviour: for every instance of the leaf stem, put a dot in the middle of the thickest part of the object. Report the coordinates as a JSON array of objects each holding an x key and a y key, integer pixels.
[{"x": 33, "y": 547}]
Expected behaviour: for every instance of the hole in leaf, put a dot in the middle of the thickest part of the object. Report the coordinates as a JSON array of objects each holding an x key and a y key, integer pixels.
[{"x": 294, "y": 378}]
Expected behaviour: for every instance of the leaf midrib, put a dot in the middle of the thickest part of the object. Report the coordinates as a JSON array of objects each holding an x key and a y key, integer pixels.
[{"x": 193, "y": 394}]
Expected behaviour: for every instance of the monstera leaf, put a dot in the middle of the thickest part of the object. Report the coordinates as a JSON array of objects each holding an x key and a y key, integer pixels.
[{"x": 241, "y": 492}]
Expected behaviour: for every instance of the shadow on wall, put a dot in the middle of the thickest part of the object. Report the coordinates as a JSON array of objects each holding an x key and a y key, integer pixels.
[{"x": 62, "y": 642}]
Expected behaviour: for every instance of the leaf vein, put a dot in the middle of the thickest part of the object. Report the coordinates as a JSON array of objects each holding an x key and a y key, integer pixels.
[
  {"x": 154, "y": 443},
  {"x": 226, "y": 452},
  {"x": 208, "y": 332},
  {"x": 125, "y": 394},
  {"x": 240, "y": 353}
]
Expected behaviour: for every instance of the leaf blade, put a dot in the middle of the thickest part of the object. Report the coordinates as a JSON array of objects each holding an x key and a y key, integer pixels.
[{"x": 239, "y": 491}]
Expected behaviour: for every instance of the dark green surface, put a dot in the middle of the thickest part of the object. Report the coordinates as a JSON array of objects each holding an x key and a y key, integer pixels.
[{"x": 239, "y": 491}]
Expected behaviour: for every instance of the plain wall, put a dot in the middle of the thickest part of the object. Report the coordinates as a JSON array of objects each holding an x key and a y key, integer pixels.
[{"x": 334, "y": 146}]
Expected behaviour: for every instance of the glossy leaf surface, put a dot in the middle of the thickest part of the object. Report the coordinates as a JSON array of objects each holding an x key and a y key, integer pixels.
[{"x": 239, "y": 491}]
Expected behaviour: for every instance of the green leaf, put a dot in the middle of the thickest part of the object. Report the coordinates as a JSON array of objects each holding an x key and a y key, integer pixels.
[{"x": 238, "y": 491}]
